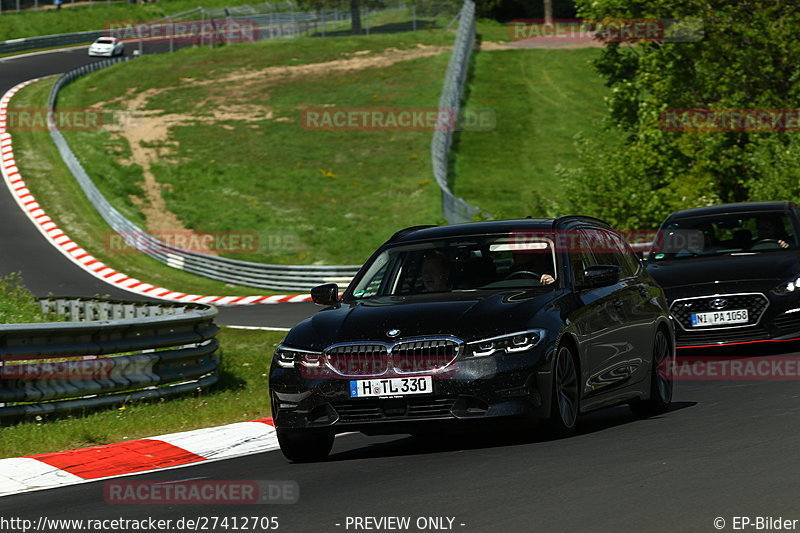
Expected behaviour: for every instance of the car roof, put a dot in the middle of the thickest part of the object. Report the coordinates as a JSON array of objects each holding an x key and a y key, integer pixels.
[
  {"x": 725, "y": 209},
  {"x": 422, "y": 233}
]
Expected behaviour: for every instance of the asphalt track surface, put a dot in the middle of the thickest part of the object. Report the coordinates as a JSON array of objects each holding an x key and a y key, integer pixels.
[
  {"x": 727, "y": 449},
  {"x": 45, "y": 270}
]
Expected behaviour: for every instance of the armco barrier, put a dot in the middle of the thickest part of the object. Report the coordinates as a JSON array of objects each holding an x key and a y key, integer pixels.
[
  {"x": 48, "y": 41},
  {"x": 454, "y": 209},
  {"x": 265, "y": 276},
  {"x": 108, "y": 353}
]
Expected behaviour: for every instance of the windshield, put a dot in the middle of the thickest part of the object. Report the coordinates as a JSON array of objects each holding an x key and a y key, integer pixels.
[
  {"x": 724, "y": 234},
  {"x": 104, "y": 41},
  {"x": 460, "y": 264}
]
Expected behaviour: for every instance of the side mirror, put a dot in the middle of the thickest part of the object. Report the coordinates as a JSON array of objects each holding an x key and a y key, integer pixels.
[
  {"x": 600, "y": 276},
  {"x": 327, "y": 294}
]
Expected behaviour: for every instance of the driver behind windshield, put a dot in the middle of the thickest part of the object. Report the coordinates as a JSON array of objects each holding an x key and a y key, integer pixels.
[
  {"x": 533, "y": 263},
  {"x": 435, "y": 272},
  {"x": 767, "y": 230}
]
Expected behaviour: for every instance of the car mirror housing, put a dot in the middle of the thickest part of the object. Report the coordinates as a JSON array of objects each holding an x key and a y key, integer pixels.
[
  {"x": 327, "y": 294},
  {"x": 600, "y": 276}
]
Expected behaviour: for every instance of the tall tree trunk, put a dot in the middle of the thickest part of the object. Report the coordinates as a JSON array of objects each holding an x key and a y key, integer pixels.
[
  {"x": 355, "y": 15},
  {"x": 548, "y": 11}
]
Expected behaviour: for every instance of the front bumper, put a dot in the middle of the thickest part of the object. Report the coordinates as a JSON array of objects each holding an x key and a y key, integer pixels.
[
  {"x": 778, "y": 321},
  {"x": 498, "y": 388}
]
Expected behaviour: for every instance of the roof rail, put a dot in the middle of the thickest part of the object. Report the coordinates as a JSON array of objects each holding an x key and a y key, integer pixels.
[
  {"x": 567, "y": 218},
  {"x": 410, "y": 229}
]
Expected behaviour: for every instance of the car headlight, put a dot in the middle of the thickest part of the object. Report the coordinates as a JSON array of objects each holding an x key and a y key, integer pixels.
[
  {"x": 510, "y": 343},
  {"x": 792, "y": 286},
  {"x": 290, "y": 357}
]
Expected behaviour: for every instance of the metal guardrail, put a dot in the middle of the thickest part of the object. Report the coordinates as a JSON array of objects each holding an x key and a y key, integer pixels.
[
  {"x": 454, "y": 209},
  {"x": 265, "y": 276},
  {"x": 48, "y": 41},
  {"x": 110, "y": 352}
]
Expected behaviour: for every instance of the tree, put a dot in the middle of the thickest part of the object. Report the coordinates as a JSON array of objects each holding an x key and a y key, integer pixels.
[
  {"x": 746, "y": 59},
  {"x": 355, "y": 7}
]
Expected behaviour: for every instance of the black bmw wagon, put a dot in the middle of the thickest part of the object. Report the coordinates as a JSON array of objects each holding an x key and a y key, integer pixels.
[{"x": 479, "y": 323}]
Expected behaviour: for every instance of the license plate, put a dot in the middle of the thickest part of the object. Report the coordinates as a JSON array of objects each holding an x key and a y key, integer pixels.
[
  {"x": 717, "y": 318},
  {"x": 365, "y": 388}
]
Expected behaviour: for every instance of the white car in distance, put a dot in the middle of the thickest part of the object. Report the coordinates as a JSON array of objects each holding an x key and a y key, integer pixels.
[{"x": 107, "y": 47}]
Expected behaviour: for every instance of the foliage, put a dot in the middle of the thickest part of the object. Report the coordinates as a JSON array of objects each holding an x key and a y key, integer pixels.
[
  {"x": 17, "y": 304},
  {"x": 746, "y": 59}
]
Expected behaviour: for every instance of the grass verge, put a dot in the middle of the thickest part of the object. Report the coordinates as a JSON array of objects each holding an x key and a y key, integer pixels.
[
  {"x": 241, "y": 395},
  {"x": 541, "y": 100},
  {"x": 238, "y": 157}
]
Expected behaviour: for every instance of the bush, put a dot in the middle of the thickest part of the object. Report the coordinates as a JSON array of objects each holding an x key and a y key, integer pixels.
[{"x": 17, "y": 304}]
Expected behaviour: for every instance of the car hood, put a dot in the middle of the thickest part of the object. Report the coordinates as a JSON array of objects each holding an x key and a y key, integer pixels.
[
  {"x": 468, "y": 315},
  {"x": 731, "y": 272}
]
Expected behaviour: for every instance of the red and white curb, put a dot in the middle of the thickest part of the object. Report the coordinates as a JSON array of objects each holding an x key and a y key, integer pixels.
[
  {"x": 50, "y": 470},
  {"x": 81, "y": 257}
]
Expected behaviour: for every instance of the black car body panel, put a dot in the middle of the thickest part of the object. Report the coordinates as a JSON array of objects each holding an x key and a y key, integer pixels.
[
  {"x": 611, "y": 328},
  {"x": 743, "y": 278}
]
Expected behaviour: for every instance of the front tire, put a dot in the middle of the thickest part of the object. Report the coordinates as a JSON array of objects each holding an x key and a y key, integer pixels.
[
  {"x": 305, "y": 445},
  {"x": 661, "y": 383},
  {"x": 565, "y": 399}
]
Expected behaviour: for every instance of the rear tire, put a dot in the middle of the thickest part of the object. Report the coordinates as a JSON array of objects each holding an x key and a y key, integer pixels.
[
  {"x": 305, "y": 445},
  {"x": 661, "y": 383},
  {"x": 565, "y": 398}
]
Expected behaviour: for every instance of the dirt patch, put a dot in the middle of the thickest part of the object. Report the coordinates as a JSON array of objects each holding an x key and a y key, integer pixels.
[
  {"x": 241, "y": 83},
  {"x": 147, "y": 131},
  {"x": 148, "y": 135}
]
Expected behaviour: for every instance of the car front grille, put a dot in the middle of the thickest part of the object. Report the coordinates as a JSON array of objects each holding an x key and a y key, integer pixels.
[
  {"x": 682, "y": 309},
  {"x": 370, "y": 410},
  {"x": 423, "y": 356},
  {"x": 358, "y": 359},
  {"x": 404, "y": 357}
]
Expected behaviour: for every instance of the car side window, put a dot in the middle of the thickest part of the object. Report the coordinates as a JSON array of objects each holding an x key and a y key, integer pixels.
[
  {"x": 611, "y": 249},
  {"x": 627, "y": 258},
  {"x": 581, "y": 256}
]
